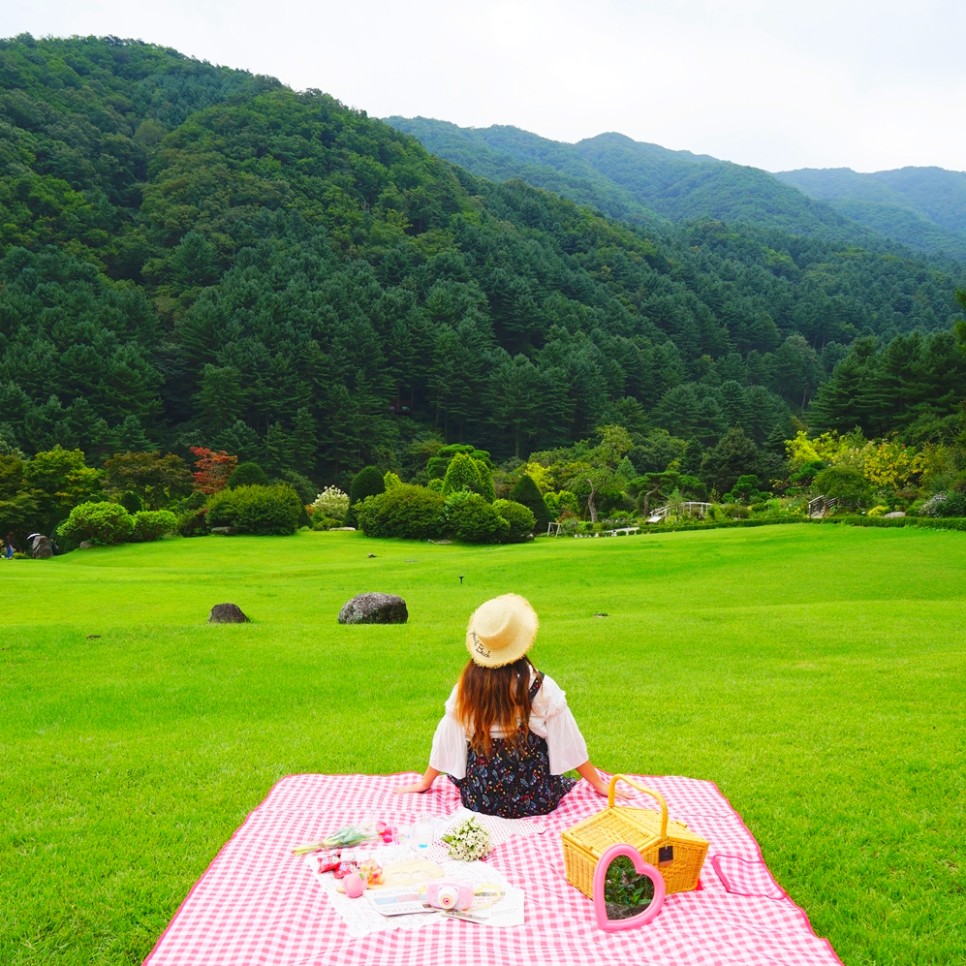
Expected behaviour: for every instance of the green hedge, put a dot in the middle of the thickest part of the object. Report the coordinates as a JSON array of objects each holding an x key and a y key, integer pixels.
[
  {"x": 153, "y": 525},
  {"x": 407, "y": 511},
  {"x": 99, "y": 523},
  {"x": 521, "y": 519},
  {"x": 260, "y": 510},
  {"x": 470, "y": 519},
  {"x": 922, "y": 523}
]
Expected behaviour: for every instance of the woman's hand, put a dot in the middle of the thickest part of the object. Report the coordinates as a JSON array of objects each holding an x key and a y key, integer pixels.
[
  {"x": 423, "y": 785},
  {"x": 589, "y": 773}
]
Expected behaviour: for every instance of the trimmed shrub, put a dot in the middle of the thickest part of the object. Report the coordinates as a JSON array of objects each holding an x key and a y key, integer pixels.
[
  {"x": 520, "y": 519},
  {"x": 470, "y": 519},
  {"x": 924, "y": 523},
  {"x": 467, "y": 473},
  {"x": 367, "y": 482},
  {"x": 247, "y": 474},
  {"x": 260, "y": 510},
  {"x": 407, "y": 511},
  {"x": 463, "y": 473},
  {"x": 222, "y": 508},
  {"x": 153, "y": 525},
  {"x": 439, "y": 462},
  {"x": 528, "y": 493},
  {"x": 487, "y": 486},
  {"x": 100, "y": 523}
]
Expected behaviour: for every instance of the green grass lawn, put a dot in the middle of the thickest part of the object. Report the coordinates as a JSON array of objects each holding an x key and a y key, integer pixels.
[{"x": 816, "y": 673}]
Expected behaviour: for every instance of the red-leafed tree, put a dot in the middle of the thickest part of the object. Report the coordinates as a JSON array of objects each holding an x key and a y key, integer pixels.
[{"x": 213, "y": 470}]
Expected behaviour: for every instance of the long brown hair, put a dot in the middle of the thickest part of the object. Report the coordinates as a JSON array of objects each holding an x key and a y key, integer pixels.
[{"x": 488, "y": 697}]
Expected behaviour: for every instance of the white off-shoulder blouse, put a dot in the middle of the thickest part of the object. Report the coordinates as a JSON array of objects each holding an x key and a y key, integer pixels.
[{"x": 550, "y": 718}]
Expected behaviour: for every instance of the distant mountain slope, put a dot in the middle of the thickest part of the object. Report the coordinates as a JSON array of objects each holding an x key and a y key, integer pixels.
[
  {"x": 919, "y": 208},
  {"x": 924, "y": 208},
  {"x": 503, "y": 153},
  {"x": 684, "y": 186},
  {"x": 637, "y": 182}
]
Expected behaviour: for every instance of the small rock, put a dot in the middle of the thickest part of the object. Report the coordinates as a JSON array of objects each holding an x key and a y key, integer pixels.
[{"x": 227, "y": 614}]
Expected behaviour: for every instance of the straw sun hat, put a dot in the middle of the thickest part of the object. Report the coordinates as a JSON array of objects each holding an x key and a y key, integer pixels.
[{"x": 501, "y": 630}]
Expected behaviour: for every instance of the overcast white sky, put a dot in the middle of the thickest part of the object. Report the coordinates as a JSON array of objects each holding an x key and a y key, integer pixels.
[{"x": 866, "y": 84}]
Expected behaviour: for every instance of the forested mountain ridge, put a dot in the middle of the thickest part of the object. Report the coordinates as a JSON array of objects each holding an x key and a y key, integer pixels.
[
  {"x": 924, "y": 208},
  {"x": 501, "y": 153},
  {"x": 192, "y": 255},
  {"x": 920, "y": 208}
]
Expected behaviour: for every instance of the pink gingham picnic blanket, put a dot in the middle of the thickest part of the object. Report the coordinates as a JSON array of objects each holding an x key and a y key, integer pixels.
[{"x": 259, "y": 904}]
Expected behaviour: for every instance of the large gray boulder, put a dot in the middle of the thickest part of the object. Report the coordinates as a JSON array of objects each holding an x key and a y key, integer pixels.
[
  {"x": 41, "y": 549},
  {"x": 374, "y": 608}
]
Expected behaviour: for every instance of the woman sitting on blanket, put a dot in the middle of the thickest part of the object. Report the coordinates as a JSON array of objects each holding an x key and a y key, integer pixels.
[{"x": 507, "y": 736}]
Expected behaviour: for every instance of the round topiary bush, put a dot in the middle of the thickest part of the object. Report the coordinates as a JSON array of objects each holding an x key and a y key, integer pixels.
[
  {"x": 470, "y": 519},
  {"x": 261, "y": 510},
  {"x": 247, "y": 474},
  {"x": 369, "y": 481},
  {"x": 520, "y": 519},
  {"x": 153, "y": 525},
  {"x": 99, "y": 523},
  {"x": 408, "y": 511}
]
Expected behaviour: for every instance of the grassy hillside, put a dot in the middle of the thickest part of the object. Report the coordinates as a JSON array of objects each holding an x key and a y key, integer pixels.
[{"x": 813, "y": 672}]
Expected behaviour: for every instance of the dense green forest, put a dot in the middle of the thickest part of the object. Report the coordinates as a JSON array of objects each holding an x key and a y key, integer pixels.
[
  {"x": 196, "y": 256},
  {"x": 924, "y": 208},
  {"x": 921, "y": 208}
]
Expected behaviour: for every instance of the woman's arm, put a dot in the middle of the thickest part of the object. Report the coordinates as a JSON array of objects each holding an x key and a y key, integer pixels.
[
  {"x": 423, "y": 785},
  {"x": 588, "y": 772}
]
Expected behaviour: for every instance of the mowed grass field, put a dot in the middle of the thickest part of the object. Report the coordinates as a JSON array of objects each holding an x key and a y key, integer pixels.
[{"x": 817, "y": 674}]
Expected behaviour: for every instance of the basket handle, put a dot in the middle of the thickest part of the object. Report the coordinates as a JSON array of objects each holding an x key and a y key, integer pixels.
[{"x": 647, "y": 791}]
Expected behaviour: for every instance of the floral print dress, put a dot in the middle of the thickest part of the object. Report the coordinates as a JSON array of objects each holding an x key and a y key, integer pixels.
[{"x": 513, "y": 781}]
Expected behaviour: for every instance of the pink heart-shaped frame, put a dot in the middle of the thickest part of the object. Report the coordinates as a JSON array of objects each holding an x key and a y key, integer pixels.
[{"x": 641, "y": 868}]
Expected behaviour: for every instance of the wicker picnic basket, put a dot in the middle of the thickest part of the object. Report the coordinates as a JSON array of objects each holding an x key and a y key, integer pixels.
[{"x": 670, "y": 846}]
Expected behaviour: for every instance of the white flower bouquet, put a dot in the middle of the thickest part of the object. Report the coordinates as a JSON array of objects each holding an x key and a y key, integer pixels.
[{"x": 468, "y": 841}]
